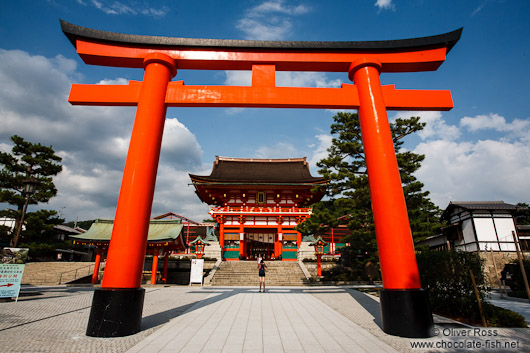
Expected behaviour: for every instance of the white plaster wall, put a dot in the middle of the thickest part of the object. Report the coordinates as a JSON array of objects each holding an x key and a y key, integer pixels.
[
  {"x": 486, "y": 232},
  {"x": 505, "y": 227},
  {"x": 467, "y": 231}
]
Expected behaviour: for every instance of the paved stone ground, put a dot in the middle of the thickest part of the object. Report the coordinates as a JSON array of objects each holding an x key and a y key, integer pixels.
[
  {"x": 364, "y": 310},
  {"x": 521, "y": 306},
  {"x": 284, "y": 319},
  {"x": 233, "y": 319},
  {"x": 54, "y": 319}
]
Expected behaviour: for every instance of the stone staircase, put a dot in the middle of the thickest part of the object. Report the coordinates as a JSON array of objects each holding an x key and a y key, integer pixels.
[
  {"x": 245, "y": 273},
  {"x": 54, "y": 273}
]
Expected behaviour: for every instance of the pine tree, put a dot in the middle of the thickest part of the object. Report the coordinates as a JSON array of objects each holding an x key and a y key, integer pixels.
[
  {"x": 28, "y": 161},
  {"x": 522, "y": 217},
  {"x": 348, "y": 192}
]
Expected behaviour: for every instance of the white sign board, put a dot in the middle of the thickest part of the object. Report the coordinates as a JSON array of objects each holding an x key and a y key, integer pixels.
[
  {"x": 11, "y": 271},
  {"x": 197, "y": 267}
]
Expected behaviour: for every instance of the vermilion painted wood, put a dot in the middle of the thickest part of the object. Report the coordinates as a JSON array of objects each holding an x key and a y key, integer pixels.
[
  {"x": 97, "y": 262},
  {"x": 166, "y": 262},
  {"x": 129, "y": 235},
  {"x": 154, "y": 267},
  {"x": 155, "y": 93},
  {"x": 95, "y": 52},
  {"x": 394, "y": 238},
  {"x": 264, "y": 96}
]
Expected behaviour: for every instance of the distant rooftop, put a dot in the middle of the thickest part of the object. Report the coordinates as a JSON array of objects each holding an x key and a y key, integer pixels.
[
  {"x": 259, "y": 171},
  {"x": 479, "y": 205}
]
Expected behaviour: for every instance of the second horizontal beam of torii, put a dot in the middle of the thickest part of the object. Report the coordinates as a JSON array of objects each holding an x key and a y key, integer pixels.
[{"x": 180, "y": 95}]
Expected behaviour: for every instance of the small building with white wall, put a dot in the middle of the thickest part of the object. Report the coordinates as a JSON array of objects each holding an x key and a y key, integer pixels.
[{"x": 480, "y": 226}]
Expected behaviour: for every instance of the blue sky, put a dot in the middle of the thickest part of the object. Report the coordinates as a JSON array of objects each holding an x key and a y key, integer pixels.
[{"x": 478, "y": 151}]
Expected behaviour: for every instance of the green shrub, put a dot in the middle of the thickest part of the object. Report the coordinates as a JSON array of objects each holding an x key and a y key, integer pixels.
[
  {"x": 341, "y": 273},
  {"x": 517, "y": 275},
  {"x": 446, "y": 276},
  {"x": 500, "y": 317},
  {"x": 45, "y": 251},
  {"x": 518, "y": 294}
]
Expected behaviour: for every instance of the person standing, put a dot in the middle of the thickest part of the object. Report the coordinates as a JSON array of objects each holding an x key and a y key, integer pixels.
[{"x": 261, "y": 272}]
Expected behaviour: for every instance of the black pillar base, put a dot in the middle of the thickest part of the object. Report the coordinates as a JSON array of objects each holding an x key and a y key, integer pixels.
[
  {"x": 406, "y": 313},
  {"x": 116, "y": 312}
]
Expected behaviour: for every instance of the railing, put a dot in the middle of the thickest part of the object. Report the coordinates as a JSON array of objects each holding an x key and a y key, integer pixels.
[
  {"x": 77, "y": 270},
  {"x": 259, "y": 209}
]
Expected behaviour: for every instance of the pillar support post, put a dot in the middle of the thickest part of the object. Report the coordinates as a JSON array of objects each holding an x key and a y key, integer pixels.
[
  {"x": 117, "y": 307},
  {"x": 241, "y": 240},
  {"x": 166, "y": 262},
  {"x": 278, "y": 244},
  {"x": 95, "y": 274},
  {"x": 154, "y": 269},
  {"x": 405, "y": 306},
  {"x": 222, "y": 236}
]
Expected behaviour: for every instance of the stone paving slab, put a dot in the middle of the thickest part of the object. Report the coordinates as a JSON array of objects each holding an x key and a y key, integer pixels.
[
  {"x": 363, "y": 309},
  {"x": 243, "y": 320},
  {"x": 521, "y": 306},
  {"x": 54, "y": 319},
  {"x": 233, "y": 319}
]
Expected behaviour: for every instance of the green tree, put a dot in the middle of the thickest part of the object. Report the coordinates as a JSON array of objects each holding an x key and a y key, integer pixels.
[
  {"x": 28, "y": 161},
  {"x": 522, "y": 216},
  {"x": 349, "y": 194},
  {"x": 39, "y": 225}
]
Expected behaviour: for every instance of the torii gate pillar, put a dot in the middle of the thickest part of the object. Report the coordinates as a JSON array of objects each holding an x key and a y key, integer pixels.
[
  {"x": 405, "y": 306},
  {"x": 117, "y": 306}
]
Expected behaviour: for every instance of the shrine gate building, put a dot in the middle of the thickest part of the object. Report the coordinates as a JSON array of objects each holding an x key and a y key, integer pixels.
[{"x": 258, "y": 203}]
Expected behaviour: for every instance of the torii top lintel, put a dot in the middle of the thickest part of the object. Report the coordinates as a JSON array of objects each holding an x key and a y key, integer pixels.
[{"x": 264, "y": 58}]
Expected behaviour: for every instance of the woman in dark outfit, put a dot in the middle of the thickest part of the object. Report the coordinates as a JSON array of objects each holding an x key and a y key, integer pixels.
[{"x": 261, "y": 267}]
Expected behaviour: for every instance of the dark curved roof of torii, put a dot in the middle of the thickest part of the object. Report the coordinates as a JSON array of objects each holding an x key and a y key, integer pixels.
[
  {"x": 442, "y": 40},
  {"x": 232, "y": 171}
]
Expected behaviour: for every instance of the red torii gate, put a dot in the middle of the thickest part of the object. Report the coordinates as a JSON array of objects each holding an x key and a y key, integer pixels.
[{"x": 117, "y": 306}]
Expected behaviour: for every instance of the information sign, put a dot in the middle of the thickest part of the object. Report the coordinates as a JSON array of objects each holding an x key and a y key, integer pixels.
[
  {"x": 197, "y": 267},
  {"x": 11, "y": 271}
]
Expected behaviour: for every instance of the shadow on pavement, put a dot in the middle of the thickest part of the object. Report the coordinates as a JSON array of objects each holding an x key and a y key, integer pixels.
[
  {"x": 369, "y": 304},
  {"x": 165, "y": 316}
]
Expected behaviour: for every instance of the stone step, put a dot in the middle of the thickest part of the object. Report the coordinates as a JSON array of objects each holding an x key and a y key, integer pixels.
[
  {"x": 241, "y": 273},
  {"x": 53, "y": 273}
]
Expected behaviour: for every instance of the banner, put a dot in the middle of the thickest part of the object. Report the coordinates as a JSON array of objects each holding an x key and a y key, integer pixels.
[{"x": 12, "y": 270}]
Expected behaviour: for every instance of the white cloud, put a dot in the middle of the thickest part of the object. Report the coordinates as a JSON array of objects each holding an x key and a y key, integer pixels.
[
  {"x": 115, "y": 81},
  {"x": 320, "y": 149},
  {"x": 436, "y": 127},
  {"x": 93, "y": 141},
  {"x": 516, "y": 128},
  {"x": 270, "y": 20},
  {"x": 463, "y": 165},
  {"x": 478, "y": 8},
  {"x": 468, "y": 168},
  {"x": 257, "y": 29},
  {"x": 238, "y": 78},
  {"x": 120, "y": 8},
  {"x": 385, "y": 5},
  {"x": 304, "y": 79},
  {"x": 277, "y": 6},
  {"x": 284, "y": 79},
  {"x": 278, "y": 150}
]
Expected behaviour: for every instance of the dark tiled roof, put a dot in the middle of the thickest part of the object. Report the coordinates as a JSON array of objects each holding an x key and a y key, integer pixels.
[
  {"x": 262, "y": 171},
  {"x": 74, "y": 32},
  {"x": 484, "y": 205},
  {"x": 478, "y": 205}
]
